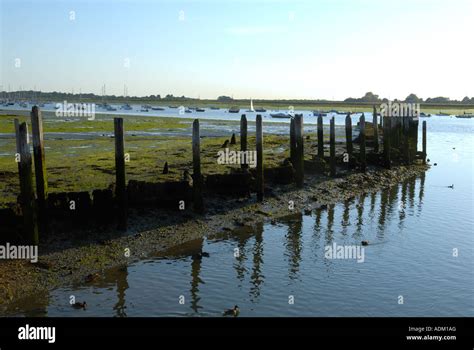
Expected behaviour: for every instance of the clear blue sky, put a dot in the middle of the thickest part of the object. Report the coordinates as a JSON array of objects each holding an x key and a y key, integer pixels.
[{"x": 260, "y": 49}]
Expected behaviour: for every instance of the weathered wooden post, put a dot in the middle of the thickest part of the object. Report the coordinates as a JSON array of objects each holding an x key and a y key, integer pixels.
[
  {"x": 349, "y": 146},
  {"x": 17, "y": 136},
  {"x": 362, "y": 158},
  {"x": 387, "y": 124},
  {"x": 27, "y": 196},
  {"x": 243, "y": 141},
  {"x": 424, "y": 141},
  {"x": 332, "y": 145},
  {"x": 292, "y": 142},
  {"x": 299, "y": 173},
  {"x": 198, "y": 203},
  {"x": 320, "y": 137},
  {"x": 260, "y": 183},
  {"x": 120, "y": 182},
  {"x": 405, "y": 138},
  {"x": 376, "y": 130},
  {"x": 40, "y": 168}
]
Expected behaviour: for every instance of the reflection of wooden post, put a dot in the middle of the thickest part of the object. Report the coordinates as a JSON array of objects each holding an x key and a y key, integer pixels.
[
  {"x": 40, "y": 167},
  {"x": 424, "y": 141},
  {"x": 243, "y": 140},
  {"x": 362, "y": 158},
  {"x": 198, "y": 204},
  {"x": 299, "y": 175},
  {"x": 120, "y": 185},
  {"x": 349, "y": 146},
  {"x": 260, "y": 184},
  {"x": 320, "y": 137},
  {"x": 27, "y": 196},
  {"x": 292, "y": 142},
  {"x": 332, "y": 145},
  {"x": 387, "y": 124},
  {"x": 376, "y": 130}
]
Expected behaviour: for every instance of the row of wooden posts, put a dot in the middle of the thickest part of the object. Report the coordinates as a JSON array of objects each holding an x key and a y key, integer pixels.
[{"x": 34, "y": 209}]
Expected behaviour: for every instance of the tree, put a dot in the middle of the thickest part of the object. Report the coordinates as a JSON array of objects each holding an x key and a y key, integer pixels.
[
  {"x": 412, "y": 98},
  {"x": 224, "y": 98},
  {"x": 439, "y": 99}
]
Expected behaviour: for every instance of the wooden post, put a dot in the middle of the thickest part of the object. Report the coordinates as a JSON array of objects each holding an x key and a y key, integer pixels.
[
  {"x": 40, "y": 167},
  {"x": 387, "y": 124},
  {"x": 27, "y": 196},
  {"x": 243, "y": 140},
  {"x": 120, "y": 183},
  {"x": 299, "y": 173},
  {"x": 293, "y": 142},
  {"x": 376, "y": 130},
  {"x": 362, "y": 158},
  {"x": 332, "y": 145},
  {"x": 405, "y": 132},
  {"x": 424, "y": 141},
  {"x": 320, "y": 137},
  {"x": 198, "y": 203},
  {"x": 17, "y": 136},
  {"x": 349, "y": 146},
  {"x": 260, "y": 183}
]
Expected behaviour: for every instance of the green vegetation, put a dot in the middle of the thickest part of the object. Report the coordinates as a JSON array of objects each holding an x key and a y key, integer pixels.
[{"x": 88, "y": 164}]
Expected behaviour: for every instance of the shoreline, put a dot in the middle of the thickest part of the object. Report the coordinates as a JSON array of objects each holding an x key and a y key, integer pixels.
[{"x": 82, "y": 256}]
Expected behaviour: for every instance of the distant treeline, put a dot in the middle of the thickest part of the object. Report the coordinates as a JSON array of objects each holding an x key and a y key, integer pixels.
[{"x": 368, "y": 98}]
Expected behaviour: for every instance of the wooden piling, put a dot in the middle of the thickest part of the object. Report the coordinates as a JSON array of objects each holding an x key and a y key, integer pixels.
[
  {"x": 260, "y": 183},
  {"x": 424, "y": 141},
  {"x": 349, "y": 146},
  {"x": 405, "y": 139},
  {"x": 292, "y": 142},
  {"x": 299, "y": 168},
  {"x": 198, "y": 203},
  {"x": 27, "y": 196},
  {"x": 320, "y": 137},
  {"x": 376, "y": 130},
  {"x": 40, "y": 168},
  {"x": 243, "y": 140},
  {"x": 387, "y": 141},
  {"x": 332, "y": 145},
  {"x": 120, "y": 181},
  {"x": 362, "y": 157},
  {"x": 17, "y": 135}
]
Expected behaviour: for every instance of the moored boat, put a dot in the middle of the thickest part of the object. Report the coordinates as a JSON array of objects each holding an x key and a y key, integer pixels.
[
  {"x": 280, "y": 115},
  {"x": 466, "y": 115}
]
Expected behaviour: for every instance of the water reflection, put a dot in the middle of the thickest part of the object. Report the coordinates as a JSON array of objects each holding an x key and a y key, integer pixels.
[
  {"x": 122, "y": 286},
  {"x": 293, "y": 245},
  {"x": 196, "y": 260},
  {"x": 281, "y": 256},
  {"x": 257, "y": 276}
]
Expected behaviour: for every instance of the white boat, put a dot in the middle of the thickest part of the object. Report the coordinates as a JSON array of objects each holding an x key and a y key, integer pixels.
[{"x": 251, "y": 107}]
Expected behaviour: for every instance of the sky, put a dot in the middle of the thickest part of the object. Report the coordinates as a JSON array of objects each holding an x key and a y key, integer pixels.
[{"x": 272, "y": 49}]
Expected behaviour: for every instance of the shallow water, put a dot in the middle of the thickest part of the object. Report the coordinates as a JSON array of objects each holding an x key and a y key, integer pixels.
[{"x": 414, "y": 230}]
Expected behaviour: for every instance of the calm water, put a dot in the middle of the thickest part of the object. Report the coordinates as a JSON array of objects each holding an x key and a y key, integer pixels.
[{"x": 413, "y": 228}]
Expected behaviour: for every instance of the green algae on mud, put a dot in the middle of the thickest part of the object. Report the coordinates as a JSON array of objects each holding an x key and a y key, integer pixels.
[
  {"x": 101, "y": 123},
  {"x": 86, "y": 164}
]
